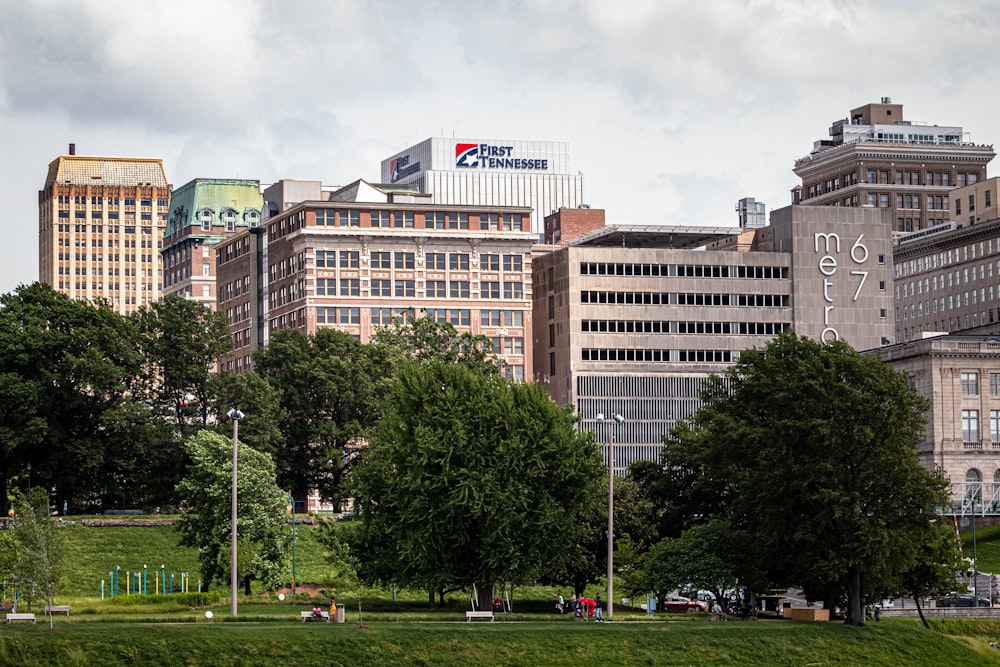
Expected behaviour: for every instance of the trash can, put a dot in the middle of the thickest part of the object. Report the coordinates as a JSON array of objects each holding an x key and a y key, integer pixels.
[
  {"x": 338, "y": 615},
  {"x": 784, "y": 607}
]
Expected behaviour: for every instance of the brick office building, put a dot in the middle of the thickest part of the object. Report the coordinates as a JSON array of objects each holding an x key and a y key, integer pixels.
[{"x": 357, "y": 257}]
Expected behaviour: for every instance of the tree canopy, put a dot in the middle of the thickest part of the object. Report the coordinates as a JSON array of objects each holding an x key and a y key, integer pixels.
[
  {"x": 806, "y": 452},
  {"x": 469, "y": 479},
  {"x": 262, "y": 528}
]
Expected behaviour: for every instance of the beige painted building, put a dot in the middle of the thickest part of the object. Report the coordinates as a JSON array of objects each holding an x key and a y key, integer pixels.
[
  {"x": 357, "y": 257},
  {"x": 100, "y": 228},
  {"x": 947, "y": 279},
  {"x": 960, "y": 376}
]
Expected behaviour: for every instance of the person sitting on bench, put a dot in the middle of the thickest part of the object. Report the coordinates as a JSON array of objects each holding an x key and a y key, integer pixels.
[{"x": 317, "y": 613}]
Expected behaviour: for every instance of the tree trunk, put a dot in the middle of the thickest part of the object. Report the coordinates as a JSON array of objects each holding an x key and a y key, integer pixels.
[
  {"x": 430, "y": 598},
  {"x": 246, "y": 586},
  {"x": 855, "y": 602},
  {"x": 484, "y": 597},
  {"x": 920, "y": 612},
  {"x": 4, "y": 503},
  {"x": 441, "y": 597}
]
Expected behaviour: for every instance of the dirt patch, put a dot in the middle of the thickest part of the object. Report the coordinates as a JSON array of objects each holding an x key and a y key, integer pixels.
[{"x": 307, "y": 588}]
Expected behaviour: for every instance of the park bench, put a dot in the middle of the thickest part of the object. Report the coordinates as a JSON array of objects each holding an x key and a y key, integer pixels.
[
  {"x": 308, "y": 616},
  {"x": 469, "y": 615},
  {"x": 57, "y": 608},
  {"x": 20, "y": 617}
]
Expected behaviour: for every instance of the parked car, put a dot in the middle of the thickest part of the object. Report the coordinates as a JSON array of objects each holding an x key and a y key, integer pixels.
[
  {"x": 961, "y": 600},
  {"x": 679, "y": 603}
]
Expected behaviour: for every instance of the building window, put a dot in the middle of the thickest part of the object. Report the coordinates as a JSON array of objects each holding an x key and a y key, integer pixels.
[
  {"x": 348, "y": 217},
  {"x": 458, "y": 261},
  {"x": 350, "y": 315},
  {"x": 511, "y": 262},
  {"x": 206, "y": 270},
  {"x": 403, "y": 260},
  {"x": 436, "y": 289},
  {"x": 436, "y": 261},
  {"x": 349, "y": 259},
  {"x": 405, "y": 288},
  {"x": 995, "y": 384},
  {"x": 970, "y": 425},
  {"x": 434, "y": 220},
  {"x": 402, "y": 219},
  {"x": 382, "y": 260},
  {"x": 489, "y": 262},
  {"x": 970, "y": 384},
  {"x": 489, "y": 290},
  {"x": 381, "y": 218},
  {"x": 995, "y": 426},
  {"x": 459, "y": 289},
  {"x": 350, "y": 287},
  {"x": 513, "y": 290},
  {"x": 381, "y": 287},
  {"x": 974, "y": 485},
  {"x": 458, "y": 221},
  {"x": 326, "y": 259}
]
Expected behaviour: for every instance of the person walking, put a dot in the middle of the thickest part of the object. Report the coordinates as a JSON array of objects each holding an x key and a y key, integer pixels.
[{"x": 599, "y": 609}]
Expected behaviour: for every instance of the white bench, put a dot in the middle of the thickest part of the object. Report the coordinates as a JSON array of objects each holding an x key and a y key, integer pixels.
[
  {"x": 20, "y": 617},
  {"x": 469, "y": 615},
  {"x": 308, "y": 616},
  {"x": 57, "y": 608}
]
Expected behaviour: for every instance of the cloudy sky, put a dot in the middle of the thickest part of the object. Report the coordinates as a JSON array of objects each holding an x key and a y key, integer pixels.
[{"x": 674, "y": 109}]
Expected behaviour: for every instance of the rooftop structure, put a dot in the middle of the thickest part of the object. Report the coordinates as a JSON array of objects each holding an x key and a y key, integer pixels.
[
  {"x": 203, "y": 212},
  {"x": 877, "y": 158},
  {"x": 491, "y": 172}
]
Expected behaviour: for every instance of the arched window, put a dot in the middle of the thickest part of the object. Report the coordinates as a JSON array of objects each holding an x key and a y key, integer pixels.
[{"x": 973, "y": 485}]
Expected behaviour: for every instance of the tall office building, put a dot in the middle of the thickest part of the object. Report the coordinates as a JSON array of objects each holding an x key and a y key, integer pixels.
[
  {"x": 631, "y": 319},
  {"x": 877, "y": 158},
  {"x": 100, "y": 228},
  {"x": 203, "y": 212},
  {"x": 356, "y": 258},
  {"x": 491, "y": 172}
]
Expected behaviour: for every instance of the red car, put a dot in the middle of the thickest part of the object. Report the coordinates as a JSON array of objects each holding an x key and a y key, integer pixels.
[{"x": 678, "y": 603}]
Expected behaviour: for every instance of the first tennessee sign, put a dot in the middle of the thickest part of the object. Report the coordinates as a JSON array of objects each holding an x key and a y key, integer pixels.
[{"x": 492, "y": 156}]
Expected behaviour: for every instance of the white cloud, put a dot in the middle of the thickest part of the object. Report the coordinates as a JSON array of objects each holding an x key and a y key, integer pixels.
[{"x": 674, "y": 109}]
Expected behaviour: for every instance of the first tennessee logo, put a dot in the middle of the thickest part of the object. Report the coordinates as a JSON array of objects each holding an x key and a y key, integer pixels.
[{"x": 466, "y": 155}]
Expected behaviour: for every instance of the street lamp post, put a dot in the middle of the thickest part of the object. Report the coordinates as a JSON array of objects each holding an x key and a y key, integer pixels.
[
  {"x": 975, "y": 561},
  {"x": 617, "y": 419},
  {"x": 236, "y": 416}
]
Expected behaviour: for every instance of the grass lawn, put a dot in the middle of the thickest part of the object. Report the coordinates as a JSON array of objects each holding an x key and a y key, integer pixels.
[
  {"x": 531, "y": 643},
  {"x": 174, "y": 631}
]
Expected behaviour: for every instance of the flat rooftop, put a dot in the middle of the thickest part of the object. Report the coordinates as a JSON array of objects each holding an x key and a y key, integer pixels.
[{"x": 654, "y": 236}]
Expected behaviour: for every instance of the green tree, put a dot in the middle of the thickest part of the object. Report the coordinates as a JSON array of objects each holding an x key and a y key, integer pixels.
[
  {"x": 182, "y": 341},
  {"x": 701, "y": 557},
  {"x": 261, "y": 523},
  {"x": 66, "y": 368},
  {"x": 469, "y": 479},
  {"x": 37, "y": 548},
  {"x": 934, "y": 568},
  {"x": 327, "y": 388},
  {"x": 260, "y": 402},
  {"x": 810, "y": 450},
  {"x": 425, "y": 339}
]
